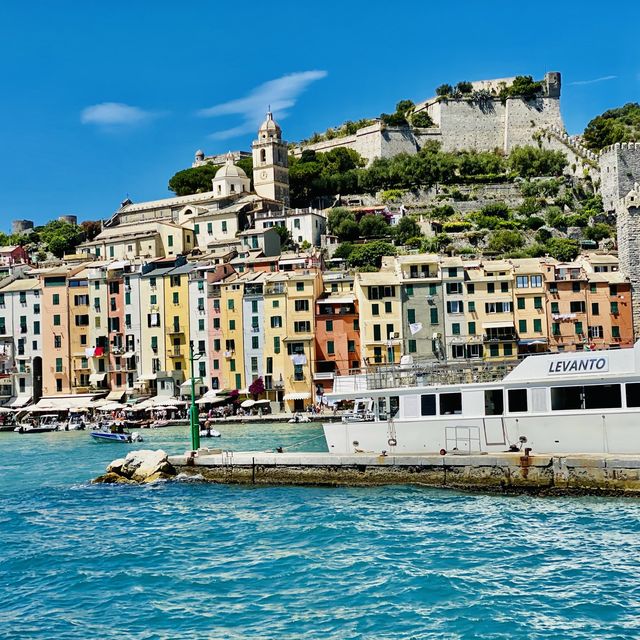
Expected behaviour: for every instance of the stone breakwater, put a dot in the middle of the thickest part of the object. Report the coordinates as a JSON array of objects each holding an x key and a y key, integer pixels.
[{"x": 503, "y": 472}]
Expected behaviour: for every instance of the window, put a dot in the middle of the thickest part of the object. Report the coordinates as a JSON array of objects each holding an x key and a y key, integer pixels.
[
  {"x": 428, "y": 404},
  {"x": 56, "y": 298},
  {"x": 329, "y": 325},
  {"x": 455, "y": 328},
  {"x": 409, "y": 290},
  {"x": 411, "y": 316},
  {"x": 497, "y": 307},
  {"x": 230, "y": 304},
  {"x": 454, "y": 287},
  {"x": 555, "y": 328},
  {"x": 593, "y": 287},
  {"x": 555, "y": 307},
  {"x": 597, "y": 396},
  {"x": 450, "y": 403},
  {"x": 455, "y": 306},
  {"x": 232, "y": 364},
  {"x": 59, "y": 385},
  {"x": 255, "y": 342},
  {"x": 472, "y": 328},
  {"x": 82, "y": 321},
  {"x": 224, "y": 226},
  {"x": 209, "y": 228},
  {"x": 457, "y": 351},
  {"x": 633, "y": 394},
  {"x": 577, "y": 306},
  {"x": 507, "y": 349},
  {"x": 127, "y": 297},
  {"x": 56, "y": 320},
  {"x": 452, "y": 271},
  {"x": 376, "y": 332},
  {"x": 356, "y": 325},
  {"x": 493, "y": 402},
  {"x": 276, "y": 344},
  {"x": 433, "y": 289},
  {"x": 275, "y": 304},
  {"x": 276, "y": 322},
  {"x": 614, "y": 308},
  {"x": 232, "y": 325},
  {"x": 521, "y": 303},
  {"x": 491, "y": 287},
  {"x": 201, "y": 324},
  {"x": 536, "y": 282},
  {"x": 36, "y": 327},
  {"x": 472, "y": 307},
  {"x": 302, "y": 326},
  {"x": 522, "y": 326},
  {"x": 504, "y": 287},
  {"x": 471, "y": 288},
  {"x": 434, "y": 316},
  {"x": 494, "y": 350},
  {"x": 522, "y": 282},
  {"x": 537, "y": 303},
  {"x": 375, "y": 309},
  {"x": 613, "y": 289},
  {"x": 301, "y": 305},
  {"x": 331, "y": 347},
  {"x": 595, "y": 309},
  {"x": 216, "y": 344},
  {"x": 387, "y": 307},
  {"x": 176, "y": 297},
  {"x": 57, "y": 342},
  {"x": 537, "y": 325},
  {"x": 517, "y": 400},
  {"x": 575, "y": 287},
  {"x": 170, "y": 240},
  {"x": 351, "y": 346},
  {"x": 254, "y": 363},
  {"x": 579, "y": 330},
  {"x": 58, "y": 365},
  {"x": 36, "y": 309},
  {"x": 615, "y": 331},
  {"x": 299, "y": 286}
]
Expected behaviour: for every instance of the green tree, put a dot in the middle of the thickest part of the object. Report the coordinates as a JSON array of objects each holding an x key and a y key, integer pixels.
[
  {"x": 60, "y": 237},
  {"x": 615, "y": 125},
  {"x": 286, "y": 241},
  {"x": 505, "y": 241},
  {"x": 421, "y": 119},
  {"x": 444, "y": 90},
  {"x": 464, "y": 87},
  {"x": 370, "y": 254},
  {"x": 563, "y": 249},
  {"x": 373, "y": 226},
  {"x": 195, "y": 180},
  {"x": 524, "y": 87},
  {"x": 529, "y": 162},
  {"x": 597, "y": 231},
  {"x": 406, "y": 229}
]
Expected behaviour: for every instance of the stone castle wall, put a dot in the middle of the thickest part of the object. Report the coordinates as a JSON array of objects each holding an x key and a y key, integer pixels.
[
  {"x": 628, "y": 226},
  {"x": 619, "y": 171}
]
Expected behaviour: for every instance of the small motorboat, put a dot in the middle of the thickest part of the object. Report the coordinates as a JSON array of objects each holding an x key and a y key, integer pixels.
[
  {"x": 76, "y": 422},
  {"x": 44, "y": 424},
  {"x": 298, "y": 417},
  {"x": 115, "y": 432},
  {"x": 157, "y": 424},
  {"x": 208, "y": 432}
]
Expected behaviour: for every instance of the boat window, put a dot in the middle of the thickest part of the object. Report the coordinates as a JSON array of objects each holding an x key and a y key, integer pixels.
[
  {"x": 602, "y": 396},
  {"x": 566, "y": 398},
  {"x": 517, "y": 400},
  {"x": 450, "y": 403},
  {"x": 428, "y": 404},
  {"x": 394, "y": 407},
  {"x": 633, "y": 394},
  {"x": 493, "y": 402},
  {"x": 597, "y": 396}
]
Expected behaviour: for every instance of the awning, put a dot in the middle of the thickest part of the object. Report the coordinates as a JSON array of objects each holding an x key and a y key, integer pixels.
[
  {"x": 337, "y": 300},
  {"x": 300, "y": 395},
  {"x": 97, "y": 377},
  {"x": 247, "y": 404},
  {"x": 118, "y": 264},
  {"x": 112, "y": 406},
  {"x": 205, "y": 400},
  {"x": 62, "y": 403},
  {"x": 115, "y": 396},
  {"x": 262, "y": 402},
  {"x": 187, "y": 383},
  {"x": 129, "y": 354},
  {"x": 17, "y": 401},
  {"x": 147, "y": 378},
  {"x": 533, "y": 341},
  {"x": 160, "y": 401},
  {"x": 498, "y": 325}
]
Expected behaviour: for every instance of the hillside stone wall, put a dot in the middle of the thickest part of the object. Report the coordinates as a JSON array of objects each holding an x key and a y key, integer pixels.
[{"x": 619, "y": 172}]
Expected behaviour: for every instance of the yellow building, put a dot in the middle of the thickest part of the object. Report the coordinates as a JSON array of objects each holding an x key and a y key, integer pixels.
[
  {"x": 380, "y": 308},
  {"x": 529, "y": 305},
  {"x": 231, "y": 291},
  {"x": 302, "y": 290},
  {"x": 176, "y": 322},
  {"x": 489, "y": 308}
]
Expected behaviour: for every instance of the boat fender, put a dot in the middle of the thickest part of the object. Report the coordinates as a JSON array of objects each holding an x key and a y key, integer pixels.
[
  {"x": 443, "y": 452},
  {"x": 392, "y": 442}
]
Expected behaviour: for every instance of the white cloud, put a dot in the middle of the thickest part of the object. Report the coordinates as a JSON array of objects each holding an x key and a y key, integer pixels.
[
  {"x": 280, "y": 95},
  {"x": 112, "y": 114},
  {"x": 602, "y": 79}
]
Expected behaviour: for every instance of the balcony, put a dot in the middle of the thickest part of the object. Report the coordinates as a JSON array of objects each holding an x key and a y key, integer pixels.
[
  {"x": 509, "y": 336},
  {"x": 275, "y": 289},
  {"x": 175, "y": 328},
  {"x": 414, "y": 274},
  {"x": 324, "y": 375},
  {"x": 328, "y": 310},
  {"x": 176, "y": 352}
]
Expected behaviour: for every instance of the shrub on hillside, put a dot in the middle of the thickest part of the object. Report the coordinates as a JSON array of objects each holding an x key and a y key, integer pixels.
[
  {"x": 530, "y": 162},
  {"x": 505, "y": 241}
]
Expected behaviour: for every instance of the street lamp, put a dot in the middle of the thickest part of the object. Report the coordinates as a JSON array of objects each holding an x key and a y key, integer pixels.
[{"x": 193, "y": 410}]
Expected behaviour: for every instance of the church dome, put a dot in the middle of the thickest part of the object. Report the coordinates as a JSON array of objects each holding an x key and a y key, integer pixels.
[
  {"x": 270, "y": 126},
  {"x": 200, "y": 154},
  {"x": 230, "y": 170}
]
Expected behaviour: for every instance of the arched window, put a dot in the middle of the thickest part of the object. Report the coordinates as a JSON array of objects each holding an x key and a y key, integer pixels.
[
  {"x": 233, "y": 188},
  {"x": 219, "y": 188},
  {"x": 263, "y": 155}
]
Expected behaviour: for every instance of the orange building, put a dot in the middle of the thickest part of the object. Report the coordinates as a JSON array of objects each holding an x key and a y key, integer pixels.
[{"x": 337, "y": 338}]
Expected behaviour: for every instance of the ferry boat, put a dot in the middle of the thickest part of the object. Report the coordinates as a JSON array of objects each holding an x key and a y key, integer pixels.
[{"x": 578, "y": 402}]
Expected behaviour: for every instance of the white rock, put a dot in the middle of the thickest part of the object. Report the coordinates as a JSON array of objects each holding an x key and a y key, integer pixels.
[
  {"x": 139, "y": 465},
  {"x": 116, "y": 466}
]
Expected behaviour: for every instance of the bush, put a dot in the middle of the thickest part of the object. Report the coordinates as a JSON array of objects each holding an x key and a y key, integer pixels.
[
  {"x": 421, "y": 119},
  {"x": 444, "y": 211},
  {"x": 406, "y": 228},
  {"x": 373, "y": 226},
  {"x": 543, "y": 235},
  {"x": 391, "y": 195},
  {"x": 534, "y": 222},
  {"x": 464, "y": 87},
  {"x": 496, "y": 209},
  {"x": 370, "y": 254},
  {"x": 529, "y": 207},
  {"x": 456, "y": 226},
  {"x": 597, "y": 232},
  {"x": 504, "y": 241},
  {"x": 530, "y": 162},
  {"x": 444, "y": 90}
]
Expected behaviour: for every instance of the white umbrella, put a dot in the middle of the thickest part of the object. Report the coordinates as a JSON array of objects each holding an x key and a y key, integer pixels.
[{"x": 247, "y": 404}]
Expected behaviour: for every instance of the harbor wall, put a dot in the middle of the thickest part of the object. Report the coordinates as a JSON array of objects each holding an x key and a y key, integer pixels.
[{"x": 504, "y": 472}]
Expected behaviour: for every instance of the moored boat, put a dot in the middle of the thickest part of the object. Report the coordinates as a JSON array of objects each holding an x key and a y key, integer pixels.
[
  {"x": 43, "y": 424},
  {"x": 115, "y": 432},
  {"x": 580, "y": 402}
]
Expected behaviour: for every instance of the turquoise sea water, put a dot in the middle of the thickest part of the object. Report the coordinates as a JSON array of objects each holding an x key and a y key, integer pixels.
[{"x": 189, "y": 560}]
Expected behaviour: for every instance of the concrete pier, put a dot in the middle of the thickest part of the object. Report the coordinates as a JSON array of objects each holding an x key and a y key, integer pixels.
[{"x": 503, "y": 472}]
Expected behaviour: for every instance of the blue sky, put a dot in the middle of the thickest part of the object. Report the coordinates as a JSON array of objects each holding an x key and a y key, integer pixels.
[{"x": 104, "y": 100}]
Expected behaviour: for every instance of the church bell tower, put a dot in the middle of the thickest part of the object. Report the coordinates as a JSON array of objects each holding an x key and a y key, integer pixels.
[{"x": 270, "y": 162}]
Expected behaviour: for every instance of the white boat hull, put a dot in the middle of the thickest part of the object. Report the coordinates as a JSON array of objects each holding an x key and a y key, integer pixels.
[{"x": 613, "y": 431}]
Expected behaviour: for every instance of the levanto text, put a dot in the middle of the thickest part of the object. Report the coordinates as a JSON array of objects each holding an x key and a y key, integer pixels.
[{"x": 585, "y": 365}]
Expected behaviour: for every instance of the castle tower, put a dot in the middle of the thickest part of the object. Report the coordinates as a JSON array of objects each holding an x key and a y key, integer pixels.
[
  {"x": 628, "y": 227},
  {"x": 270, "y": 162}
]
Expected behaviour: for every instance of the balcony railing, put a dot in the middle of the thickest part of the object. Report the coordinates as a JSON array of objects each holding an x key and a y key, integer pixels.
[
  {"x": 175, "y": 353},
  {"x": 175, "y": 328},
  {"x": 503, "y": 337}
]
